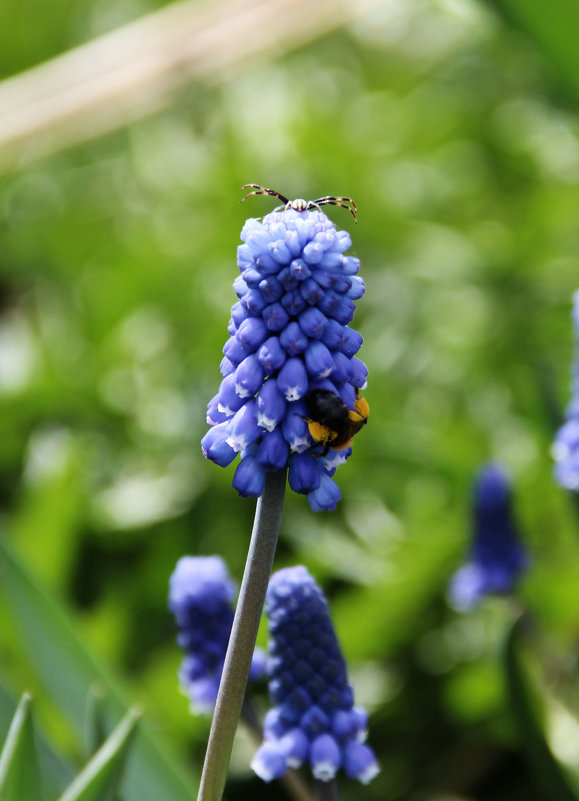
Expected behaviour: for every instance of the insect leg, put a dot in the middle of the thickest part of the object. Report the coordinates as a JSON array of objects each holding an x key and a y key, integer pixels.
[
  {"x": 262, "y": 190},
  {"x": 344, "y": 202}
]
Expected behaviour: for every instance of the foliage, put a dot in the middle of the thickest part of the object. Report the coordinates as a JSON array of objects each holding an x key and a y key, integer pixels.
[
  {"x": 20, "y": 775},
  {"x": 458, "y": 139}
]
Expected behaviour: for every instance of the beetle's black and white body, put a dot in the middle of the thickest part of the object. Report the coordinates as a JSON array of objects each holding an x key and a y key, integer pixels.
[{"x": 299, "y": 204}]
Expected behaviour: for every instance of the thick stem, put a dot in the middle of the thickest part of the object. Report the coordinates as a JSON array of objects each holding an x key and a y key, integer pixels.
[
  {"x": 243, "y": 636},
  {"x": 326, "y": 791}
]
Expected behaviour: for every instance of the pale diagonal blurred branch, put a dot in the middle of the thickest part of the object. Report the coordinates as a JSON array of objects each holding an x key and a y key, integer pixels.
[{"x": 141, "y": 68}]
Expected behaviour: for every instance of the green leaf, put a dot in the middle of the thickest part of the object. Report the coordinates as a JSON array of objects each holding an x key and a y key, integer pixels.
[
  {"x": 95, "y": 730},
  {"x": 549, "y": 775},
  {"x": 56, "y": 773},
  {"x": 99, "y": 780},
  {"x": 68, "y": 672},
  {"x": 553, "y": 26},
  {"x": 19, "y": 772}
]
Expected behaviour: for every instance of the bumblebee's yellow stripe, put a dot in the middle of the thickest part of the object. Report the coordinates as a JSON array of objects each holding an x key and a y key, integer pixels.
[
  {"x": 321, "y": 433},
  {"x": 361, "y": 406}
]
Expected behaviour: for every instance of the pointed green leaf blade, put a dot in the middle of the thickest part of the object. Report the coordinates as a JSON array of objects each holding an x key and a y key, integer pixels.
[
  {"x": 95, "y": 728},
  {"x": 68, "y": 671},
  {"x": 19, "y": 772},
  {"x": 55, "y": 772},
  {"x": 99, "y": 780}
]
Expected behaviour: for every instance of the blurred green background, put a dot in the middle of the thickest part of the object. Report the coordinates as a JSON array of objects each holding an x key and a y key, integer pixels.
[{"x": 453, "y": 124}]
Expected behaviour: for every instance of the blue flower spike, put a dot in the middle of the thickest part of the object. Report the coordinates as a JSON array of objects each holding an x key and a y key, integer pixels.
[
  {"x": 201, "y": 596},
  {"x": 497, "y": 555},
  {"x": 565, "y": 448},
  {"x": 291, "y": 379},
  {"x": 313, "y": 719}
]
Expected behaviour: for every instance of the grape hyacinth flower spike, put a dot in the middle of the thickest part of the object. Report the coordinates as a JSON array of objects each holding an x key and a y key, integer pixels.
[
  {"x": 497, "y": 556},
  {"x": 566, "y": 444},
  {"x": 200, "y": 596},
  {"x": 290, "y": 394},
  {"x": 313, "y": 719}
]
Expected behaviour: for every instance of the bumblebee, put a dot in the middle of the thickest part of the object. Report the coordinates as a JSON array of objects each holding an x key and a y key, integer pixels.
[{"x": 332, "y": 424}]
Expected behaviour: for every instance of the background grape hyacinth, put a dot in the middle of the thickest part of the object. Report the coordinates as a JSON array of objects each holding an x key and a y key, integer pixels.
[
  {"x": 289, "y": 333},
  {"x": 200, "y": 596},
  {"x": 497, "y": 555},
  {"x": 566, "y": 444},
  {"x": 313, "y": 719}
]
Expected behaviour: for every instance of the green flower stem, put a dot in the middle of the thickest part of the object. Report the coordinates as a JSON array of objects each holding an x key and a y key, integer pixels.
[
  {"x": 326, "y": 791},
  {"x": 243, "y": 636}
]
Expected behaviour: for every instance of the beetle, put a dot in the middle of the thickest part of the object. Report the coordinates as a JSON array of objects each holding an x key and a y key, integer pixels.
[
  {"x": 299, "y": 204},
  {"x": 331, "y": 423}
]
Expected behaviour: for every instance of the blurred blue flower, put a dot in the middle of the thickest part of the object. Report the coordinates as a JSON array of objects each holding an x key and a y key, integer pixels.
[
  {"x": 289, "y": 334},
  {"x": 313, "y": 718},
  {"x": 201, "y": 596},
  {"x": 497, "y": 556},
  {"x": 565, "y": 448}
]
